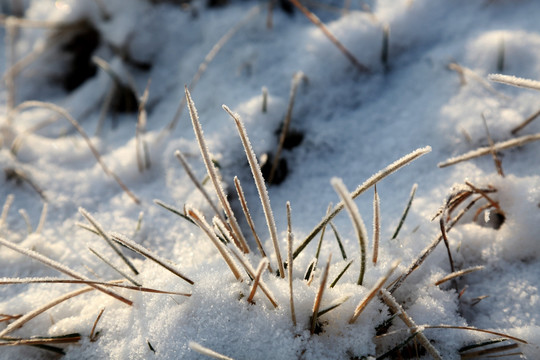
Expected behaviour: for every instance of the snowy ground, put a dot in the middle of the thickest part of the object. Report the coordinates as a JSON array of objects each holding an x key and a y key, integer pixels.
[{"x": 431, "y": 91}]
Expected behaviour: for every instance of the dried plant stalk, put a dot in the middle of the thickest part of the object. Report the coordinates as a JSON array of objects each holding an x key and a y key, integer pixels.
[
  {"x": 471, "y": 328},
  {"x": 525, "y": 122},
  {"x": 249, "y": 219},
  {"x": 362, "y": 188},
  {"x": 80, "y": 130},
  {"x": 197, "y": 183},
  {"x": 149, "y": 255},
  {"x": 456, "y": 274},
  {"x": 290, "y": 262},
  {"x": 373, "y": 292},
  {"x": 376, "y": 225},
  {"x": 397, "y": 309},
  {"x": 515, "y": 81},
  {"x": 286, "y": 124},
  {"x": 315, "y": 20},
  {"x": 262, "y": 264},
  {"x": 212, "y": 173},
  {"x": 201, "y": 222},
  {"x": 115, "y": 268},
  {"x": 107, "y": 239},
  {"x": 249, "y": 269},
  {"x": 496, "y": 159},
  {"x": 261, "y": 188},
  {"x": 42, "y": 218},
  {"x": 59, "y": 267},
  {"x": 92, "y": 336},
  {"x": 32, "y": 314},
  {"x": 207, "y": 60},
  {"x": 357, "y": 221},
  {"x": 520, "y": 141},
  {"x": 206, "y": 351},
  {"x": 318, "y": 298}
]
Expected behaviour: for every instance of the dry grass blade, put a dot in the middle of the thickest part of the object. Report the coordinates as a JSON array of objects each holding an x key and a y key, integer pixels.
[
  {"x": 5, "y": 209},
  {"x": 396, "y": 165},
  {"x": 201, "y": 222},
  {"x": 80, "y": 130},
  {"x": 107, "y": 239},
  {"x": 251, "y": 272},
  {"x": 376, "y": 225},
  {"x": 32, "y": 314},
  {"x": 520, "y": 141},
  {"x": 42, "y": 218},
  {"x": 212, "y": 173},
  {"x": 397, "y": 309},
  {"x": 458, "y": 274},
  {"x": 464, "y": 71},
  {"x": 173, "y": 210},
  {"x": 65, "y": 339},
  {"x": 318, "y": 298},
  {"x": 471, "y": 328},
  {"x": 373, "y": 292},
  {"x": 446, "y": 243},
  {"x": 490, "y": 351},
  {"x": 26, "y": 219},
  {"x": 286, "y": 124},
  {"x": 290, "y": 262},
  {"x": 197, "y": 183},
  {"x": 525, "y": 122},
  {"x": 121, "y": 239},
  {"x": 141, "y": 148},
  {"x": 315, "y": 20},
  {"x": 262, "y": 264},
  {"x": 249, "y": 219},
  {"x": 334, "y": 305},
  {"x": 515, "y": 81},
  {"x": 406, "y": 211},
  {"x": 485, "y": 196},
  {"x": 114, "y": 283},
  {"x": 261, "y": 188},
  {"x": 208, "y": 59},
  {"x": 206, "y": 351},
  {"x": 62, "y": 268},
  {"x": 357, "y": 221},
  {"x": 93, "y": 335},
  {"x": 114, "y": 267},
  {"x": 496, "y": 159}
]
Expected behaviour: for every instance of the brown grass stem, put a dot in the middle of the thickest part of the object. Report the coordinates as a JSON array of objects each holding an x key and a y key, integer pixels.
[
  {"x": 121, "y": 239},
  {"x": 318, "y": 298},
  {"x": 315, "y": 20},
  {"x": 212, "y": 173},
  {"x": 261, "y": 188},
  {"x": 59, "y": 267},
  {"x": 373, "y": 292},
  {"x": 525, "y": 122},
  {"x": 207, "y": 352},
  {"x": 376, "y": 225},
  {"x": 290, "y": 262},
  {"x": 405, "y": 211},
  {"x": 396, "y": 165},
  {"x": 357, "y": 222},
  {"x": 249, "y": 219},
  {"x": 396, "y": 308},
  {"x": 262, "y": 264},
  {"x": 82, "y": 132},
  {"x": 286, "y": 124},
  {"x": 459, "y": 273},
  {"x": 520, "y": 141}
]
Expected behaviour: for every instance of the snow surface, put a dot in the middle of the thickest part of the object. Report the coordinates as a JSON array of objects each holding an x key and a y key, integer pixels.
[{"x": 353, "y": 125}]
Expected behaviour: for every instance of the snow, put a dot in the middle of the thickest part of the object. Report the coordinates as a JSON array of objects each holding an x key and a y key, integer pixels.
[{"x": 433, "y": 91}]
